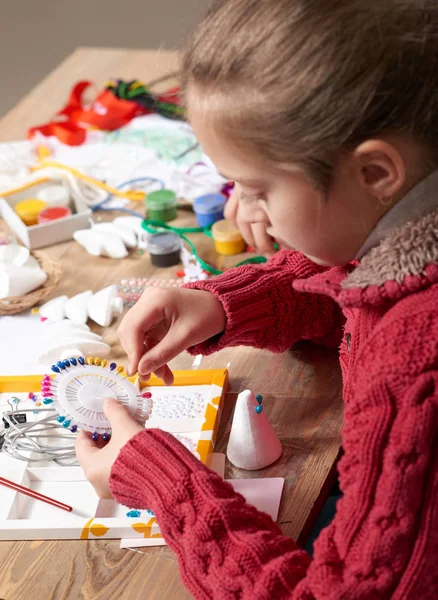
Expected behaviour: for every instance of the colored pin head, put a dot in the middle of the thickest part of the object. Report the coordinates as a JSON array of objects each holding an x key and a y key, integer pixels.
[
  {"x": 81, "y": 360},
  {"x": 259, "y": 409},
  {"x": 55, "y": 369},
  {"x": 73, "y": 361}
]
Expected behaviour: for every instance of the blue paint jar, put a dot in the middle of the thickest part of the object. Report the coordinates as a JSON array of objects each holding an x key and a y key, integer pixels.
[{"x": 209, "y": 209}]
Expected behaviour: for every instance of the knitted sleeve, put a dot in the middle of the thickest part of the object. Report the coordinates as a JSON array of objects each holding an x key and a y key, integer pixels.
[
  {"x": 264, "y": 311},
  {"x": 382, "y": 543}
]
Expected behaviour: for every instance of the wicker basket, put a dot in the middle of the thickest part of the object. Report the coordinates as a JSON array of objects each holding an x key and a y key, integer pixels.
[{"x": 53, "y": 268}]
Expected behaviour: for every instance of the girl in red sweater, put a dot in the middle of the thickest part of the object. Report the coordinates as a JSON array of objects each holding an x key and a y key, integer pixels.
[{"x": 325, "y": 114}]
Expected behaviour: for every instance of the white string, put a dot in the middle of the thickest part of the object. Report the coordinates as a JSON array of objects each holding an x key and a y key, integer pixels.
[{"x": 31, "y": 442}]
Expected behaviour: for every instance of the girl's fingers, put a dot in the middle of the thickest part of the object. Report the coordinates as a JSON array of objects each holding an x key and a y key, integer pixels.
[
  {"x": 247, "y": 234},
  {"x": 263, "y": 241},
  {"x": 132, "y": 332},
  {"x": 172, "y": 344}
]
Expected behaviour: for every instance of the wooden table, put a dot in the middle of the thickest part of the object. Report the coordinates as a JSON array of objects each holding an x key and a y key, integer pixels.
[{"x": 302, "y": 391}]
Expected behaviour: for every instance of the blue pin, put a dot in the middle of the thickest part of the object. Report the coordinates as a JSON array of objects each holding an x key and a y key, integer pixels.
[
  {"x": 60, "y": 419},
  {"x": 61, "y": 364},
  {"x": 259, "y": 398},
  {"x": 73, "y": 361},
  {"x": 66, "y": 363},
  {"x": 55, "y": 369},
  {"x": 66, "y": 424},
  {"x": 106, "y": 437},
  {"x": 47, "y": 401},
  {"x": 95, "y": 436},
  {"x": 81, "y": 360},
  {"x": 133, "y": 514},
  {"x": 113, "y": 366},
  {"x": 259, "y": 409},
  {"x": 74, "y": 428}
]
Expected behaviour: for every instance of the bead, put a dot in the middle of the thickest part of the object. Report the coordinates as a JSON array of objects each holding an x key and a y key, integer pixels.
[
  {"x": 74, "y": 428},
  {"x": 89, "y": 360},
  {"x": 146, "y": 395},
  {"x": 95, "y": 436},
  {"x": 120, "y": 369},
  {"x": 60, "y": 419},
  {"x": 55, "y": 369},
  {"x": 96, "y": 362},
  {"x": 66, "y": 363},
  {"x": 61, "y": 364},
  {"x": 66, "y": 424},
  {"x": 81, "y": 360},
  {"x": 259, "y": 409},
  {"x": 73, "y": 361},
  {"x": 150, "y": 513},
  {"x": 113, "y": 366},
  {"x": 259, "y": 398},
  {"x": 133, "y": 514},
  {"x": 48, "y": 394},
  {"x": 103, "y": 362},
  {"x": 106, "y": 437},
  {"x": 47, "y": 401}
]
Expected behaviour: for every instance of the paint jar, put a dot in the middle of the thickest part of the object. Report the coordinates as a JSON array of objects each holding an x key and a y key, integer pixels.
[
  {"x": 165, "y": 249},
  {"x": 209, "y": 209},
  {"x": 161, "y": 205},
  {"x": 28, "y": 210},
  {"x": 52, "y": 213},
  {"x": 227, "y": 238},
  {"x": 54, "y": 195}
]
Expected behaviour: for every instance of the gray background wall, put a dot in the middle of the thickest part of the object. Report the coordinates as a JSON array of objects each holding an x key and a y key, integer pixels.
[{"x": 36, "y": 35}]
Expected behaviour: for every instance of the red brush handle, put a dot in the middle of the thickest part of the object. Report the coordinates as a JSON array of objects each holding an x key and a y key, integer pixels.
[{"x": 35, "y": 495}]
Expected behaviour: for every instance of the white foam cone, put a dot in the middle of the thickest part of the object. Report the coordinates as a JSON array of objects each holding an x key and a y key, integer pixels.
[
  {"x": 54, "y": 310},
  {"x": 14, "y": 254},
  {"x": 253, "y": 443},
  {"x": 19, "y": 281},
  {"x": 76, "y": 308},
  {"x": 104, "y": 305}
]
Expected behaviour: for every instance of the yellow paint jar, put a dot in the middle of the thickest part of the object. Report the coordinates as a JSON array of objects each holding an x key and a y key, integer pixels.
[
  {"x": 227, "y": 238},
  {"x": 28, "y": 210}
]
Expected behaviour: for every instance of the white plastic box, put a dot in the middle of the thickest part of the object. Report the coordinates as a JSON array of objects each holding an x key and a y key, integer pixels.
[{"x": 46, "y": 234}]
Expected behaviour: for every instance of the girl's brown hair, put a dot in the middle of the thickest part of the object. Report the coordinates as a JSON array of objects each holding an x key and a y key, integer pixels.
[{"x": 297, "y": 81}]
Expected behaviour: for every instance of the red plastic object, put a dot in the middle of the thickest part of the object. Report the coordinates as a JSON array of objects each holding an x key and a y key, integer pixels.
[{"x": 52, "y": 213}]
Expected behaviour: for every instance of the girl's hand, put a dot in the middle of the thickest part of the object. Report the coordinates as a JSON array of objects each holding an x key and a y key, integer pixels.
[
  {"x": 164, "y": 323},
  {"x": 97, "y": 458},
  {"x": 254, "y": 234}
]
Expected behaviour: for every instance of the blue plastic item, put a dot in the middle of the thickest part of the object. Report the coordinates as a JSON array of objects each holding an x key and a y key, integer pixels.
[{"x": 209, "y": 209}]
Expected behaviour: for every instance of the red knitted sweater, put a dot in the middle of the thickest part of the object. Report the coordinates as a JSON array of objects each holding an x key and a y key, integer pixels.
[{"x": 383, "y": 542}]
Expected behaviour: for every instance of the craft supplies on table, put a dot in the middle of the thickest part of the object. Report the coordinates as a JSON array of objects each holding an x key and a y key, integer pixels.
[
  {"x": 164, "y": 249},
  {"x": 190, "y": 410},
  {"x": 209, "y": 209},
  {"x": 37, "y": 235},
  {"x": 227, "y": 238},
  {"x": 162, "y": 205}
]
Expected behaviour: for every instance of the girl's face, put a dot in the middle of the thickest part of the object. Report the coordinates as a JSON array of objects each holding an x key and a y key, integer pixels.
[{"x": 327, "y": 229}]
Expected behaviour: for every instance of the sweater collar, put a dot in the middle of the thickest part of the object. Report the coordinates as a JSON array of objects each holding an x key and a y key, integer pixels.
[
  {"x": 405, "y": 261},
  {"x": 418, "y": 202}
]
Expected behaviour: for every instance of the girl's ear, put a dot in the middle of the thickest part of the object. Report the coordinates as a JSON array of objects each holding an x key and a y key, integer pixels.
[{"x": 380, "y": 169}]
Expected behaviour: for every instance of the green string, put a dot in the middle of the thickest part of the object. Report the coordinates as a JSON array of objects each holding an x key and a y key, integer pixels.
[{"x": 153, "y": 226}]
